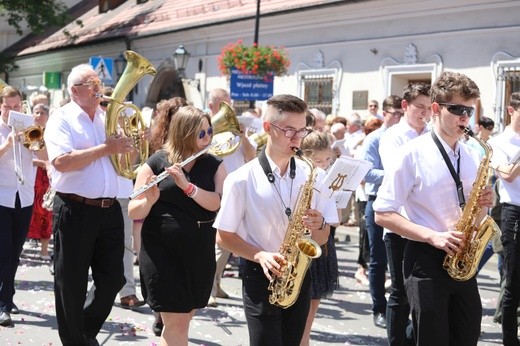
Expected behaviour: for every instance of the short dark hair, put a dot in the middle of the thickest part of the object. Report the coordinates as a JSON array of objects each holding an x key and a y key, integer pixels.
[
  {"x": 414, "y": 89},
  {"x": 285, "y": 103},
  {"x": 486, "y": 122},
  {"x": 392, "y": 101},
  {"x": 450, "y": 84},
  {"x": 514, "y": 100}
]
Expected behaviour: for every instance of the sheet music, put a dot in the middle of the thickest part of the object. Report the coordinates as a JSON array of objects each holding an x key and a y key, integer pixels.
[
  {"x": 20, "y": 121},
  {"x": 344, "y": 177}
]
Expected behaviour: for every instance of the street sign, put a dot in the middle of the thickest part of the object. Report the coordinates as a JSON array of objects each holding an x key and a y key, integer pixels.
[
  {"x": 104, "y": 67},
  {"x": 250, "y": 87}
]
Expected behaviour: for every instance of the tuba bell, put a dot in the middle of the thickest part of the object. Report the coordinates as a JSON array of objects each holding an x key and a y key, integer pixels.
[
  {"x": 132, "y": 125},
  {"x": 226, "y": 128}
]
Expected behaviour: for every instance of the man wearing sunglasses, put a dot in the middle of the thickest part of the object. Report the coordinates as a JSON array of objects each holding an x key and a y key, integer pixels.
[
  {"x": 88, "y": 221},
  {"x": 258, "y": 202},
  {"x": 444, "y": 311},
  {"x": 416, "y": 112},
  {"x": 506, "y": 148}
]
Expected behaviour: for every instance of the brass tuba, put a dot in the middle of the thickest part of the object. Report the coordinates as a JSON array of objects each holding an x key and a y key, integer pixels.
[
  {"x": 132, "y": 125},
  {"x": 463, "y": 265},
  {"x": 226, "y": 128},
  {"x": 297, "y": 248}
]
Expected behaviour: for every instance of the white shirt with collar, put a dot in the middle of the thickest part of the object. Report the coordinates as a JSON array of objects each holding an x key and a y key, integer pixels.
[
  {"x": 394, "y": 137},
  {"x": 9, "y": 183},
  {"x": 68, "y": 129},
  {"x": 254, "y": 208},
  {"x": 236, "y": 159},
  {"x": 505, "y": 146},
  {"x": 421, "y": 182}
]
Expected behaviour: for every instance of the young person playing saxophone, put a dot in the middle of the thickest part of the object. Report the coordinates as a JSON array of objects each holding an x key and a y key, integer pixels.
[
  {"x": 444, "y": 311},
  {"x": 258, "y": 201}
]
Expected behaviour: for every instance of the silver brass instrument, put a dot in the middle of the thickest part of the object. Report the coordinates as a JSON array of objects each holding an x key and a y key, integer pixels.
[
  {"x": 136, "y": 68},
  {"x": 17, "y": 145},
  {"x": 165, "y": 174},
  {"x": 463, "y": 265},
  {"x": 297, "y": 248},
  {"x": 226, "y": 128}
]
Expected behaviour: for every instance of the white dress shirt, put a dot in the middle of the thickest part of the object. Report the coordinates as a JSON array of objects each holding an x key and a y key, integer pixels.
[
  {"x": 505, "y": 146},
  {"x": 394, "y": 137},
  {"x": 70, "y": 128},
  {"x": 421, "y": 182},
  {"x": 253, "y": 208},
  {"x": 235, "y": 160},
  {"x": 9, "y": 183}
]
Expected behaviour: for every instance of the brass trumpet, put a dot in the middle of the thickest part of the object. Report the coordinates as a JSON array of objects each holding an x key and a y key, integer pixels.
[{"x": 33, "y": 138}]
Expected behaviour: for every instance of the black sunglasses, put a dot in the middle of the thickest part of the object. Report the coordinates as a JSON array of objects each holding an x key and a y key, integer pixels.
[{"x": 459, "y": 110}]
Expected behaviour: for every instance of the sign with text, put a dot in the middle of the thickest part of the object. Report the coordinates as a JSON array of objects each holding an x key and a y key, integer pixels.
[{"x": 250, "y": 87}]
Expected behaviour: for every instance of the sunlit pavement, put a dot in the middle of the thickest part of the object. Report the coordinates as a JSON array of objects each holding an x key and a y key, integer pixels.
[{"x": 344, "y": 319}]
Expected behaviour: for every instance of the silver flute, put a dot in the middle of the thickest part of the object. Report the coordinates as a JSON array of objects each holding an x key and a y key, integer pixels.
[{"x": 165, "y": 174}]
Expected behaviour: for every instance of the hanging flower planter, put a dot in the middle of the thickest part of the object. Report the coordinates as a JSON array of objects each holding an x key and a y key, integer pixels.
[{"x": 257, "y": 60}]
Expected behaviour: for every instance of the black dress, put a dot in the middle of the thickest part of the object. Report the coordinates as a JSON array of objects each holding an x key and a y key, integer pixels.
[
  {"x": 324, "y": 270},
  {"x": 177, "y": 258}
]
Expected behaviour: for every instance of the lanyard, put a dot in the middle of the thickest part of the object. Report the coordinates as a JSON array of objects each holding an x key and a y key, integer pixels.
[
  {"x": 262, "y": 158},
  {"x": 455, "y": 175}
]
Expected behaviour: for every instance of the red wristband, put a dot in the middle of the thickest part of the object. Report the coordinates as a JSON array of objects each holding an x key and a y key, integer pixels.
[{"x": 189, "y": 189}]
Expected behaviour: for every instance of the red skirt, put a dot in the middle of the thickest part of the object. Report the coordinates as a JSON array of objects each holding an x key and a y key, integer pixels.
[{"x": 41, "y": 220}]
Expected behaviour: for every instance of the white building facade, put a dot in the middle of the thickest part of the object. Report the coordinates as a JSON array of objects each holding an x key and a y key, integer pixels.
[{"x": 342, "y": 53}]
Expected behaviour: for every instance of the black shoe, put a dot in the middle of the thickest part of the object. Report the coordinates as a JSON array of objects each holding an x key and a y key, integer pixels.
[
  {"x": 157, "y": 325},
  {"x": 15, "y": 310},
  {"x": 380, "y": 320},
  {"x": 5, "y": 320}
]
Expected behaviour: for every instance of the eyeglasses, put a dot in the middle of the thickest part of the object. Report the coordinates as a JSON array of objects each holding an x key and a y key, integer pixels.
[
  {"x": 202, "y": 133},
  {"x": 92, "y": 84},
  {"x": 396, "y": 114},
  {"x": 291, "y": 133},
  {"x": 459, "y": 110}
]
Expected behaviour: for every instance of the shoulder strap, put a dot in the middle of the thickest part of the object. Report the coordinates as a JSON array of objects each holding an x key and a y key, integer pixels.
[{"x": 455, "y": 175}]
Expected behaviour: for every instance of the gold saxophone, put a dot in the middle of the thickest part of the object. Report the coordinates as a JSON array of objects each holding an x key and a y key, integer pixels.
[
  {"x": 463, "y": 265},
  {"x": 297, "y": 249},
  {"x": 136, "y": 68}
]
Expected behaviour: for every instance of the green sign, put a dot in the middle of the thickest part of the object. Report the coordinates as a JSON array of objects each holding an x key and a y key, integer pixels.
[{"x": 52, "y": 80}]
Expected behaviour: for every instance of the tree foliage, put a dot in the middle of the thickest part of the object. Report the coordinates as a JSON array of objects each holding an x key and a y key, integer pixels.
[
  {"x": 34, "y": 16},
  {"x": 38, "y": 15}
]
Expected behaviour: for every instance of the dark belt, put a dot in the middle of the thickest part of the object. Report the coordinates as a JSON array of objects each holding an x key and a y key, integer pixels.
[
  {"x": 372, "y": 198},
  {"x": 97, "y": 202}
]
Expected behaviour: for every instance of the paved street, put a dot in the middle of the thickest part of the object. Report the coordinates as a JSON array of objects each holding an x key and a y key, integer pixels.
[{"x": 345, "y": 319}]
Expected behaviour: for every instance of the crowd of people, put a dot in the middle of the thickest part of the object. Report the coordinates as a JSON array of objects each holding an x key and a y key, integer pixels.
[{"x": 254, "y": 202}]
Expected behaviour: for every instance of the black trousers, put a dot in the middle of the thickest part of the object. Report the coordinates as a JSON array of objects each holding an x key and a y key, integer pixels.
[
  {"x": 13, "y": 231},
  {"x": 86, "y": 237},
  {"x": 510, "y": 302},
  {"x": 444, "y": 311},
  {"x": 269, "y": 324}
]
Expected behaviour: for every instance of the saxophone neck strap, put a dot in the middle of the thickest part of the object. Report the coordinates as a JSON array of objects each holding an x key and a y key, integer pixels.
[
  {"x": 262, "y": 158},
  {"x": 454, "y": 174}
]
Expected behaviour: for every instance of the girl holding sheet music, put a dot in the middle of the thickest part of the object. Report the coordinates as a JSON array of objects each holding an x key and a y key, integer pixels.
[{"x": 324, "y": 269}]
